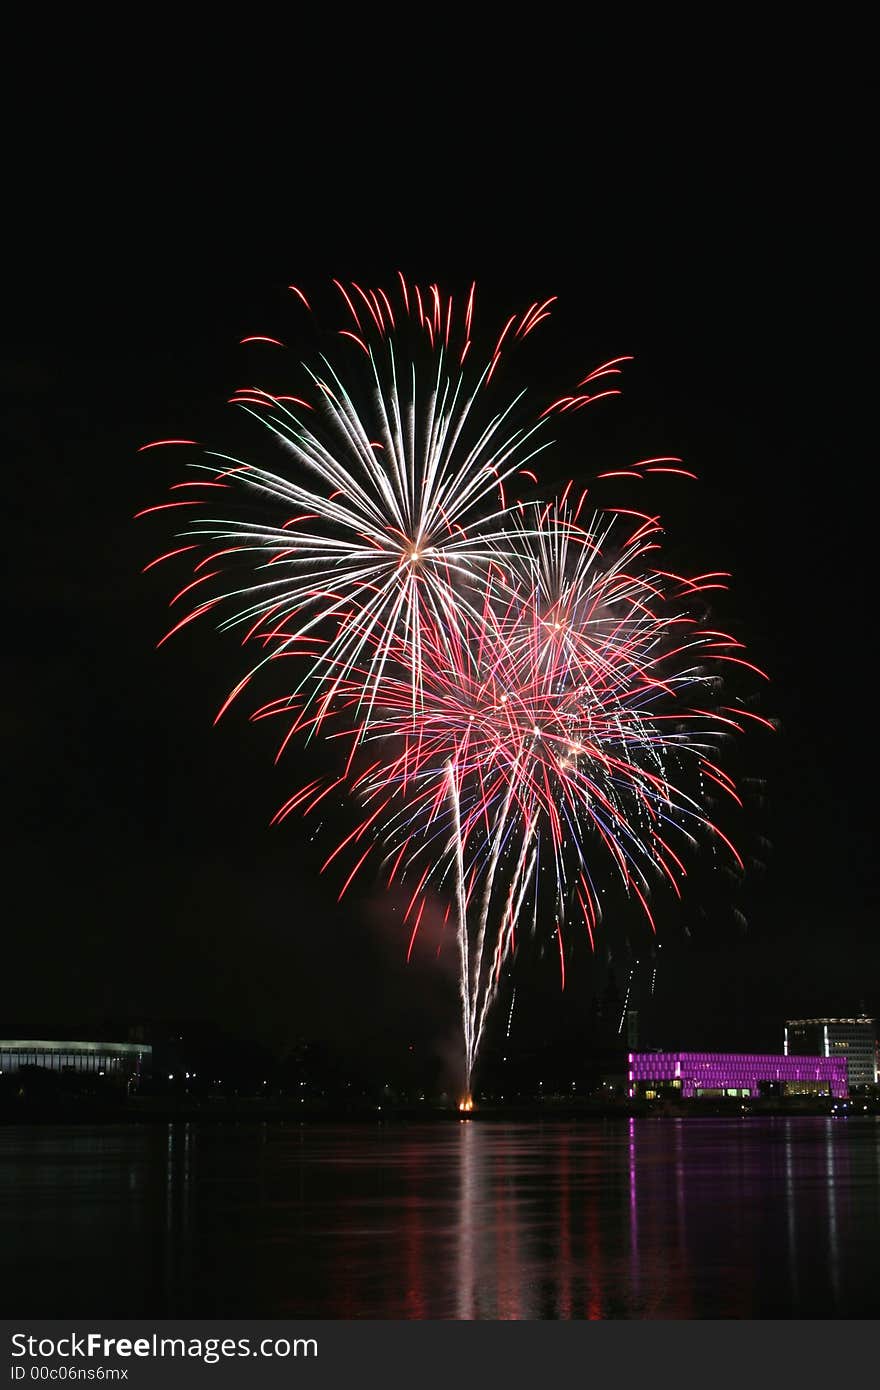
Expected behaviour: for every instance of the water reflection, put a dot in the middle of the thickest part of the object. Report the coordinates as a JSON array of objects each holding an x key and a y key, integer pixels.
[
  {"x": 791, "y": 1216},
  {"x": 471, "y": 1220}
]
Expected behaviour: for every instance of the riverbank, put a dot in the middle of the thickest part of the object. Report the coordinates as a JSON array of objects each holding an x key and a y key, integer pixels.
[{"x": 284, "y": 1110}]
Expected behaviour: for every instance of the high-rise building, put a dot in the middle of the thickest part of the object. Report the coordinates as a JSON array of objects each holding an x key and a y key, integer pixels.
[{"x": 854, "y": 1039}]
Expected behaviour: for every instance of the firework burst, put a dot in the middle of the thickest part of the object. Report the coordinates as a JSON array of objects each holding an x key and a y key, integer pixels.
[{"x": 528, "y": 701}]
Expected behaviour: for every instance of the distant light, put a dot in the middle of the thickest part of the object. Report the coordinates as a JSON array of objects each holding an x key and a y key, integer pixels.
[{"x": 171, "y": 1076}]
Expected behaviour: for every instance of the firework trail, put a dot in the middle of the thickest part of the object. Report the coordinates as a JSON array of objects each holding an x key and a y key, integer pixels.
[{"x": 529, "y": 701}]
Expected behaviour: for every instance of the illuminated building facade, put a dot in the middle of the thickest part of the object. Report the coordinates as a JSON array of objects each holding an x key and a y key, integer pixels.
[
  {"x": 688, "y": 1074},
  {"x": 854, "y": 1039},
  {"x": 118, "y": 1061}
]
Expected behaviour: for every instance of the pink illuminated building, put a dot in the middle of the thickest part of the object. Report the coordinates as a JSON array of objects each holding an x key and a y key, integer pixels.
[{"x": 688, "y": 1074}]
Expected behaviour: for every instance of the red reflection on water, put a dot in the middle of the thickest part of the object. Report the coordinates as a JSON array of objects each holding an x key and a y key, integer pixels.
[
  {"x": 593, "y": 1250},
  {"x": 417, "y": 1180},
  {"x": 565, "y": 1260},
  {"x": 506, "y": 1243}
]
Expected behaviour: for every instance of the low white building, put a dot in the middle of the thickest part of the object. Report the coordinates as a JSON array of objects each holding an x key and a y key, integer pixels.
[{"x": 118, "y": 1061}]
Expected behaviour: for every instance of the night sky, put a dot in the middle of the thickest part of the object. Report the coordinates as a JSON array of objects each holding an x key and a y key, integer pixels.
[{"x": 142, "y": 878}]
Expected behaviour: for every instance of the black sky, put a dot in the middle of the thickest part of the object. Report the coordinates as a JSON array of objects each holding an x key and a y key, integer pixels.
[{"x": 726, "y": 254}]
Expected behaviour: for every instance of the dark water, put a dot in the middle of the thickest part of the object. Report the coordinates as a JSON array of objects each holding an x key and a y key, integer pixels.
[{"x": 626, "y": 1219}]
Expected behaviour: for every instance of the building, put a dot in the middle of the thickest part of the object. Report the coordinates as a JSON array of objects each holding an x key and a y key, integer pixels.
[
  {"x": 122, "y": 1062},
  {"x": 854, "y": 1039},
  {"x": 688, "y": 1074}
]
